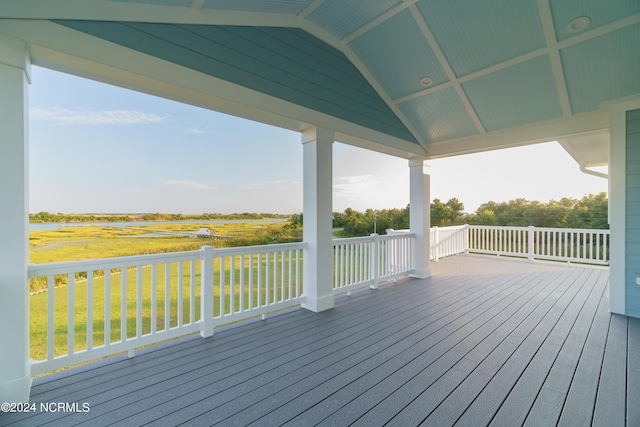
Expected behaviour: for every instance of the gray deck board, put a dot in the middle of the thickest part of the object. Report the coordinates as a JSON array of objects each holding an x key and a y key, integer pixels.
[
  {"x": 470, "y": 349},
  {"x": 611, "y": 398},
  {"x": 633, "y": 373},
  {"x": 485, "y": 340}
]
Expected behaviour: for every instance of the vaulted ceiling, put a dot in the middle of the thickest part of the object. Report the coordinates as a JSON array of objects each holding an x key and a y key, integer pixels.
[{"x": 428, "y": 77}]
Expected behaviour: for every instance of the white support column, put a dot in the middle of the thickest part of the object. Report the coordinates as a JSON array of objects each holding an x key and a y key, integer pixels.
[
  {"x": 15, "y": 378},
  {"x": 318, "y": 180},
  {"x": 419, "y": 216}
]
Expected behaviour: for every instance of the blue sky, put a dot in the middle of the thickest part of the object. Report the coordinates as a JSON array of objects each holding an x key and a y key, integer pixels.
[{"x": 103, "y": 149}]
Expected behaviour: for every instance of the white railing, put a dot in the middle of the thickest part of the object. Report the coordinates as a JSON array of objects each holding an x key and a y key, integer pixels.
[
  {"x": 448, "y": 241},
  {"x": 119, "y": 304},
  {"x": 256, "y": 280},
  {"x": 366, "y": 261},
  {"x": 587, "y": 246},
  {"x": 108, "y": 306}
]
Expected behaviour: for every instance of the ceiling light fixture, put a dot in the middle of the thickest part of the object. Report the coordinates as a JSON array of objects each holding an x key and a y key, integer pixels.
[
  {"x": 426, "y": 81},
  {"x": 578, "y": 24}
]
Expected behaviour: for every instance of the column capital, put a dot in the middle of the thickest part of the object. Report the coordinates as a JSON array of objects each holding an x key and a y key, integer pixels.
[
  {"x": 14, "y": 53},
  {"x": 417, "y": 161},
  {"x": 316, "y": 133}
]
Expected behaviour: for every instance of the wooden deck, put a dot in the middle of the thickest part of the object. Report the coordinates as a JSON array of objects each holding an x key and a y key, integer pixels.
[{"x": 485, "y": 341}]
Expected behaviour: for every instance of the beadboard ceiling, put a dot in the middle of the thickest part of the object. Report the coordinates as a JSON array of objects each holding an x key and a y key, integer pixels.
[{"x": 428, "y": 77}]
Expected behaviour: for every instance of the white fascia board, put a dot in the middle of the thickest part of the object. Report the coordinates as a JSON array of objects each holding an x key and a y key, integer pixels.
[
  {"x": 551, "y": 130},
  {"x": 101, "y": 10},
  {"x": 60, "y": 48}
]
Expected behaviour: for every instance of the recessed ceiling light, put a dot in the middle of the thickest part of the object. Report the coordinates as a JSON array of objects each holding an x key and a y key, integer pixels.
[
  {"x": 578, "y": 24},
  {"x": 426, "y": 81}
]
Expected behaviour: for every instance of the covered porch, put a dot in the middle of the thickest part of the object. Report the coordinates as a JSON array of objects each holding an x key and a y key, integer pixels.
[
  {"x": 413, "y": 79},
  {"x": 485, "y": 341}
]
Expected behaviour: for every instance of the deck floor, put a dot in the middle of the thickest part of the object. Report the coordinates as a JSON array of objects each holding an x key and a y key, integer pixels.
[{"x": 485, "y": 341}]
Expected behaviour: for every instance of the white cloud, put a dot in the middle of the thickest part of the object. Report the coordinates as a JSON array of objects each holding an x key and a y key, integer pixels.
[
  {"x": 356, "y": 187},
  {"x": 193, "y": 185},
  {"x": 194, "y": 131},
  {"x": 64, "y": 116}
]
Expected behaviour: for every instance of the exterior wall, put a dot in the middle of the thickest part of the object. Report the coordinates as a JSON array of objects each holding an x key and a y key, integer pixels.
[{"x": 632, "y": 208}]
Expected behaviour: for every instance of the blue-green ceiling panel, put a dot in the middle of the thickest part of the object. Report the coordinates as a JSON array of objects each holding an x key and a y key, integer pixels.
[
  {"x": 179, "y": 3},
  {"x": 286, "y": 63},
  {"x": 341, "y": 17},
  {"x": 517, "y": 95},
  {"x": 407, "y": 58},
  {"x": 601, "y": 12},
  {"x": 602, "y": 68},
  {"x": 476, "y": 34},
  {"x": 439, "y": 115},
  {"x": 268, "y": 6}
]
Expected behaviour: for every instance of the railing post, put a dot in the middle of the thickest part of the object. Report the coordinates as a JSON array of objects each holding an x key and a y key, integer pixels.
[
  {"x": 436, "y": 241},
  {"x": 206, "y": 291},
  {"x": 467, "y": 230},
  {"x": 375, "y": 261},
  {"x": 531, "y": 234}
]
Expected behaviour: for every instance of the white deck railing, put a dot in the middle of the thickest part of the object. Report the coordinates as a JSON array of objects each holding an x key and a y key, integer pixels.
[
  {"x": 119, "y": 304},
  {"x": 586, "y": 246},
  {"x": 366, "y": 261},
  {"x": 115, "y": 305}
]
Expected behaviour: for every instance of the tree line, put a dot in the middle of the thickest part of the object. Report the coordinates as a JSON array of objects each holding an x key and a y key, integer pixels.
[
  {"x": 47, "y": 217},
  {"x": 587, "y": 212}
]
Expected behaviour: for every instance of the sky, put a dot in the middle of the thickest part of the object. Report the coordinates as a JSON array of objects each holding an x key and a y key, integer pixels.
[{"x": 96, "y": 148}]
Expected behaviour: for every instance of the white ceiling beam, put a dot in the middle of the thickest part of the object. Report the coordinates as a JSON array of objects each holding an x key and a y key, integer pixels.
[
  {"x": 554, "y": 55},
  {"x": 197, "y": 4},
  {"x": 377, "y": 21},
  {"x": 600, "y": 31},
  {"x": 307, "y": 11},
  {"x": 435, "y": 47}
]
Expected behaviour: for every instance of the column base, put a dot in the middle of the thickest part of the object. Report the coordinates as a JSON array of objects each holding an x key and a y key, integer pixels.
[
  {"x": 318, "y": 304},
  {"x": 421, "y": 273},
  {"x": 16, "y": 390}
]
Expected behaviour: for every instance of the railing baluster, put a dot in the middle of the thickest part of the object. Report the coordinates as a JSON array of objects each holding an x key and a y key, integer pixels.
[
  {"x": 180, "y": 292},
  {"x": 241, "y": 290},
  {"x": 192, "y": 292},
  {"x": 123, "y": 304},
  {"x": 139, "y": 297},
  {"x": 107, "y": 307},
  {"x": 232, "y": 284},
  {"x": 154, "y": 298},
  {"x": 89, "y": 309},
  {"x": 70, "y": 314},
  {"x": 282, "y": 275},
  {"x": 167, "y": 297},
  {"x": 259, "y": 280},
  {"x": 51, "y": 329},
  {"x": 268, "y": 280},
  {"x": 250, "y": 281},
  {"x": 222, "y": 261}
]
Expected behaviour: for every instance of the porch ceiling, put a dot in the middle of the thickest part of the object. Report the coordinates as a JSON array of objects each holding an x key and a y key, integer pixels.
[{"x": 498, "y": 73}]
